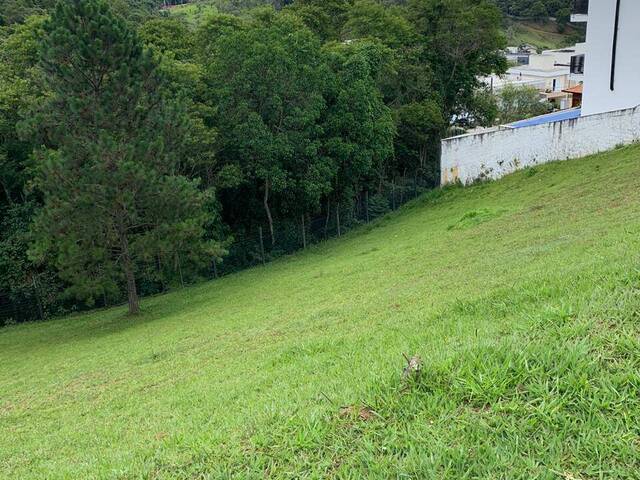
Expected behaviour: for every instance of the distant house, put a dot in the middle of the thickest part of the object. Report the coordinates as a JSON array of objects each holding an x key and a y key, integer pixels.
[
  {"x": 520, "y": 55},
  {"x": 576, "y": 95},
  {"x": 612, "y": 65},
  {"x": 607, "y": 81},
  {"x": 549, "y": 72}
]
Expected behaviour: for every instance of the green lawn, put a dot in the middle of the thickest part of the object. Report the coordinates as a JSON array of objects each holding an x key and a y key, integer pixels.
[{"x": 521, "y": 296}]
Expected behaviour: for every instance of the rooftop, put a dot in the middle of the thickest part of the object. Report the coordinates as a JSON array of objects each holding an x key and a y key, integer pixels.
[{"x": 559, "y": 116}]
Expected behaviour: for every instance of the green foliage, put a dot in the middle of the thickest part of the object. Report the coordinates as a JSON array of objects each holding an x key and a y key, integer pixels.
[
  {"x": 517, "y": 103},
  {"x": 419, "y": 128},
  {"x": 537, "y": 9},
  {"x": 16, "y": 11},
  {"x": 113, "y": 196},
  {"x": 269, "y": 82},
  {"x": 462, "y": 39},
  {"x": 307, "y": 117},
  {"x": 563, "y": 17},
  {"x": 32, "y": 288},
  {"x": 359, "y": 127},
  {"x": 370, "y": 19},
  {"x": 326, "y": 18},
  {"x": 169, "y": 36}
]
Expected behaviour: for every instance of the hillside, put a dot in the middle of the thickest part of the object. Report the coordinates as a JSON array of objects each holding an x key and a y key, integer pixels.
[
  {"x": 545, "y": 35},
  {"x": 521, "y": 296}
]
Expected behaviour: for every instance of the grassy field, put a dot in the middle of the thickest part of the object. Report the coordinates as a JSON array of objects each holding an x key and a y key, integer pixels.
[
  {"x": 522, "y": 298},
  {"x": 545, "y": 35}
]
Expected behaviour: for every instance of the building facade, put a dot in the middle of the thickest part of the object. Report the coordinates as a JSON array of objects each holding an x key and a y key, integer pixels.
[
  {"x": 610, "y": 113},
  {"x": 612, "y": 65}
]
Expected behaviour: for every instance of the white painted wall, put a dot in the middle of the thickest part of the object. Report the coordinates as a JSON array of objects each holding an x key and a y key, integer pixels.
[
  {"x": 498, "y": 152},
  {"x": 562, "y": 56},
  {"x": 598, "y": 97}
]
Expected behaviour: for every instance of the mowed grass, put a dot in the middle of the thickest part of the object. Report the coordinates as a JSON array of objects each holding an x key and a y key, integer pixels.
[{"x": 522, "y": 297}]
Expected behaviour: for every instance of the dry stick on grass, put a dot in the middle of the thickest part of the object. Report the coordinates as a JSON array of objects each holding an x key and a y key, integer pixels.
[{"x": 413, "y": 368}]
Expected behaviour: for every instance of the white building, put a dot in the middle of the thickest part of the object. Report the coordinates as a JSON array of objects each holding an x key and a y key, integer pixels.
[
  {"x": 610, "y": 114},
  {"x": 612, "y": 65},
  {"x": 550, "y": 73}
]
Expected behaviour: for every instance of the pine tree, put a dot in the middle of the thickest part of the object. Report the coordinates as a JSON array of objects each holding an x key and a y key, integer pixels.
[{"x": 114, "y": 199}]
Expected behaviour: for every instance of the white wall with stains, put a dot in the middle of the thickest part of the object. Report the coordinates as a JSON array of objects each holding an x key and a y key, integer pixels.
[{"x": 498, "y": 152}]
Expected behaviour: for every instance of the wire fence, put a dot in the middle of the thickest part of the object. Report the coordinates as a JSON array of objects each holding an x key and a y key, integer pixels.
[{"x": 255, "y": 248}]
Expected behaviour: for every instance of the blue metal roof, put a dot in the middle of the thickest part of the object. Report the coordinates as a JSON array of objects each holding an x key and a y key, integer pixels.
[{"x": 550, "y": 118}]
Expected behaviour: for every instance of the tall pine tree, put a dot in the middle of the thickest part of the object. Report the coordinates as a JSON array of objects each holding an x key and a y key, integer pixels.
[{"x": 114, "y": 199}]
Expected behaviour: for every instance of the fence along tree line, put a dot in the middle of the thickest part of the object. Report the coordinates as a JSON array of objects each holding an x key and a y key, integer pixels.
[
  {"x": 246, "y": 251},
  {"x": 253, "y": 137}
]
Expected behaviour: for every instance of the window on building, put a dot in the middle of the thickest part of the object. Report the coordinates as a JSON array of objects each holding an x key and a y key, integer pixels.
[{"x": 577, "y": 65}]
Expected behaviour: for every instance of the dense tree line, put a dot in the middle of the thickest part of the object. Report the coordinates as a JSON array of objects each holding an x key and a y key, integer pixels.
[
  {"x": 535, "y": 8},
  {"x": 136, "y": 150}
]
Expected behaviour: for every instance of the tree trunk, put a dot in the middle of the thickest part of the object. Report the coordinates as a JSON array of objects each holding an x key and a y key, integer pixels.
[
  {"x": 423, "y": 155},
  {"x": 326, "y": 222},
  {"x": 268, "y": 211},
  {"x": 264, "y": 262},
  {"x": 366, "y": 204},
  {"x": 8, "y": 194},
  {"x": 393, "y": 193},
  {"x": 132, "y": 292},
  {"x": 37, "y": 294},
  {"x": 180, "y": 270},
  {"x": 338, "y": 219},
  {"x": 127, "y": 265},
  {"x": 304, "y": 234}
]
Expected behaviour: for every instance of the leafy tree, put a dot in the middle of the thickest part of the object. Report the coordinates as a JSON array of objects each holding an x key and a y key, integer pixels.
[
  {"x": 420, "y": 126},
  {"x": 462, "y": 40},
  {"x": 359, "y": 126},
  {"x": 169, "y": 36},
  {"x": 563, "y": 17},
  {"x": 324, "y": 17},
  {"x": 524, "y": 8},
  {"x": 176, "y": 46},
  {"x": 21, "y": 281},
  {"x": 17, "y": 11},
  {"x": 517, "y": 103},
  {"x": 269, "y": 81},
  {"x": 407, "y": 83},
  {"x": 538, "y": 11},
  {"x": 114, "y": 200},
  {"x": 371, "y": 19}
]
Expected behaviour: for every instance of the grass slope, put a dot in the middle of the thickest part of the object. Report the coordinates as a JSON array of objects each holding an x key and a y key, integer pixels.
[
  {"x": 521, "y": 296},
  {"x": 544, "y": 35}
]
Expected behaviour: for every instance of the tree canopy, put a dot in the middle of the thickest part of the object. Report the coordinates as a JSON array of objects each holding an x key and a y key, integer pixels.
[
  {"x": 141, "y": 150},
  {"x": 113, "y": 196}
]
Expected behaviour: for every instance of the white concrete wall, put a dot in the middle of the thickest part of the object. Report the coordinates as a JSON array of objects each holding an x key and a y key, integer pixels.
[
  {"x": 563, "y": 56},
  {"x": 544, "y": 81},
  {"x": 598, "y": 96},
  {"x": 498, "y": 152}
]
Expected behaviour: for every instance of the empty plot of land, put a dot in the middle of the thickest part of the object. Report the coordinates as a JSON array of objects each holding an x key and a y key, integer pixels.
[{"x": 522, "y": 297}]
